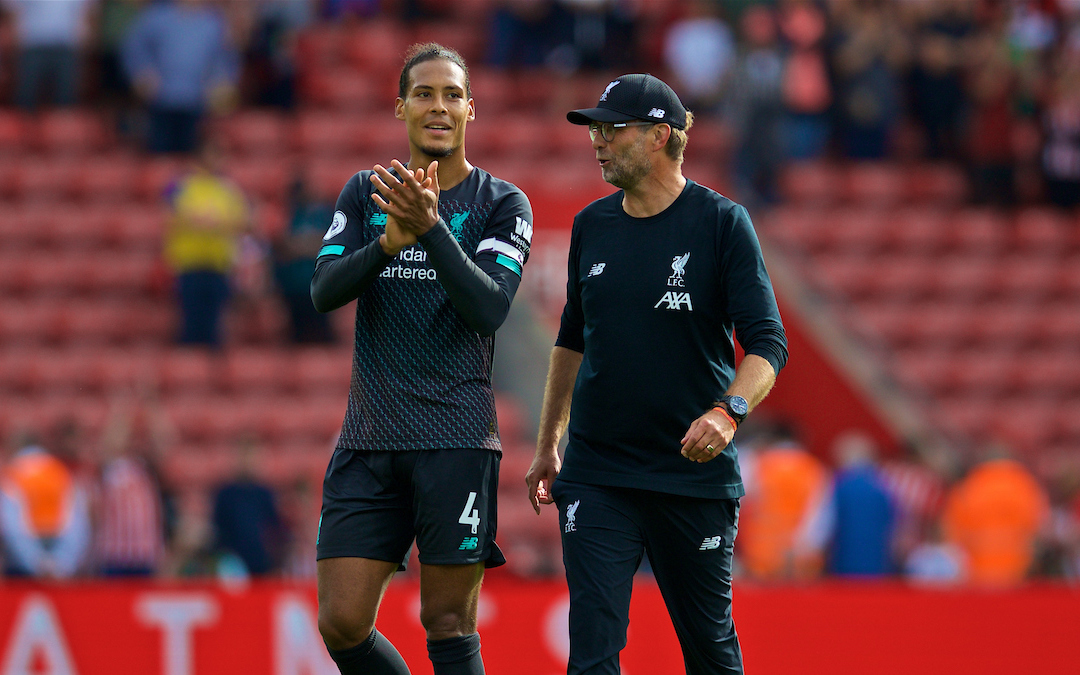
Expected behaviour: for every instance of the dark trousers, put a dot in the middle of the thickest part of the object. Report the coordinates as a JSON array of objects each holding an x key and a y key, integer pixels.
[
  {"x": 689, "y": 543},
  {"x": 39, "y": 67},
  {"x": 172, "y": 130},
  {"x": 202, "y": 295}
]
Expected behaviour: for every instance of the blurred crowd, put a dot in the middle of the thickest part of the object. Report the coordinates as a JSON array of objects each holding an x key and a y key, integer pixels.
[
  {"x": 76, "y": 506},
  {"x": 856, "y": 514},
  {"x": 991, "y": 84}
]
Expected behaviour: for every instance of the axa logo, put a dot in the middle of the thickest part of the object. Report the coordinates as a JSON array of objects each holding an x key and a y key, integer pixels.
[
  {"x": 603, "y": 97},
  {"x": 337, "y": 226},
  {"x": 571, "y": 517},
  {"x": 523, "y": 229},
  {"x": 711, "y": 543},
  {"x": 678, "y": 269},
  {"x": 675, "y": 300},
  {"x": 657, "y": 113},
  {"x": 596, "y": 270}
]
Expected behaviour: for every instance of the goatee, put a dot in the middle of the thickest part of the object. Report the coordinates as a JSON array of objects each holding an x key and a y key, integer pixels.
[{"x": 438, "y": 152}]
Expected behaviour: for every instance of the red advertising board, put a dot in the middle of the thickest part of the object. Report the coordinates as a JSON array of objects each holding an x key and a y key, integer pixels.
[{"x": 204, "y": 629}]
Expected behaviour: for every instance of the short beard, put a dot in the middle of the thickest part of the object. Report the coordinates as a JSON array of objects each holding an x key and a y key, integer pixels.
[
  {"x": 438, "y": 152},
  {"x": 626, "y": 174}
]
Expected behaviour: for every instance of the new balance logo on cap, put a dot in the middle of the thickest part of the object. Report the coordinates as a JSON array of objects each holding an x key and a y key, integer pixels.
[
  {"x": 657, "y": 112},
  {"x": 711, "y": 543}
]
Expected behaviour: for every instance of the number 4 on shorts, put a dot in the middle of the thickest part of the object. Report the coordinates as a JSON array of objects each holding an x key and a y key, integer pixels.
[{"x": 469, "y": 515}]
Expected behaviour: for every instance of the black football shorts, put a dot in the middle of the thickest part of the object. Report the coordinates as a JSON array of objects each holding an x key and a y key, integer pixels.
[{"x": 375, "y": 503}]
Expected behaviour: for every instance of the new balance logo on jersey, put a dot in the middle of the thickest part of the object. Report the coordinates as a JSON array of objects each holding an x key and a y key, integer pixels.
[
  {"x": 469, "y": 544},
  {"x": 377, "y": 219},
  {"x": 597, "y": 269},
  {"x": 711, "y": 543},
  {"x": 675, "y": 300},
  {"x": 657, "y": 112},
  {"x": 336, "y": 227},
  {"x": 571, "y": 516},
  {"x": 603, "y": 97}
]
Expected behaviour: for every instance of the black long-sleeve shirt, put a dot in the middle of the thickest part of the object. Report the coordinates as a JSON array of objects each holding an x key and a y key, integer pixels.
[
  {"x": 426, "y": 318},
  {"x": 653, "y": 304}
]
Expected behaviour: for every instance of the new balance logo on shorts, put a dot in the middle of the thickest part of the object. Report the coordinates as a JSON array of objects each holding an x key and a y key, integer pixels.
[
  {"x": 711, "y": 542},
  {"x": 469, "y": 544},
  {"x": 571, "y": 511}
]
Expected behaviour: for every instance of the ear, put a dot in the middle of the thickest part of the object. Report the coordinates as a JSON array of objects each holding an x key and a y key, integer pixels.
[
  {"x": 661, "y": 134},
  {"x": 399, "y": 108},
  {"x": 471, "y": 115}
]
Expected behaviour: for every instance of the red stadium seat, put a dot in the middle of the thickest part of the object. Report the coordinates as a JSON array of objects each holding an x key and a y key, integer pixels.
[
  {"x": 136, "y": 227},
  {"x": 45, "y": 179},
  {"x": 1053, "y": 371},
  {"x": 319, "y": 46},
  {"x": 323, "y": 369},
  {"x": 937, "y": 183},
  {"x": 328, "y": 133},
  {"x": 375, "y": 46},
  {"x": 962, "y": 277},
  {"x": 255, "y": 132},
  {"x": 14, "y": 129},
  {"x": 108, "y": 178},
  {"x": 924, "y": 371},
  {"x": 259, "y": 178},
  {"x": 72, "y": 131},
  {"x": 977, "y": 230},
  {"x": 1007, "y": 323},
  {"x": 898, "y": 276},
  {"x": 29, "y": 322},
  {"x": 877, "y": 184},
  {"x": 968, "y": 416},
  {"x": 984, "y": 372},
  {"x": 811, "y": 183},
  {"x": 250, "y": 370},
  {"x": 918, "y": 229},
  {"x": 1058, "y": 324},
  {"x": 1026, "y": 277},
  {"x": 1042, "y": 230},
  {"x": 840, "y": 275},
  {"x": 188, "y": 371},
  {"x": 157, "y": 174}
]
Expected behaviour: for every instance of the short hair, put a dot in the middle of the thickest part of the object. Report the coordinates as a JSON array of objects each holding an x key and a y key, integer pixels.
[
  {"x": 429, "y": 51},
  {"x": 677, "y": 141}
]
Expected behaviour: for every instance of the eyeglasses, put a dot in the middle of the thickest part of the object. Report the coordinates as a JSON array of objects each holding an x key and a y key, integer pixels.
[{"x": 607, "y": 129}]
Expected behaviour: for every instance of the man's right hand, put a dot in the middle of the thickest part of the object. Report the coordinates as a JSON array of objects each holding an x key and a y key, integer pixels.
[{"x": 545, "y": 467}]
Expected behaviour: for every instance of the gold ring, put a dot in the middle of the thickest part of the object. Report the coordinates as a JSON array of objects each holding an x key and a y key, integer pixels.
[{"x": 710, "y": 448}]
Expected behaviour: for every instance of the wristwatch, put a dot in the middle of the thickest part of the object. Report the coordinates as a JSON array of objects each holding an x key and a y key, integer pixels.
[{"x": 736, "y": 405}]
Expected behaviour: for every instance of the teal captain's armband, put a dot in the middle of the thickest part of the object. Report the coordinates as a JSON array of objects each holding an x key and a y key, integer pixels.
[
  {"x": 509, "y": 263},
  {"x": 331, "y": 250}
]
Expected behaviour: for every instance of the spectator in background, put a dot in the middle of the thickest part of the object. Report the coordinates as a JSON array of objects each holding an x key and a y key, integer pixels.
[
  {"x": 754, "y": 108},
  {"x": 807, "y": 91},
  {"x": 594, "y": 35},
  {"x": 50, "y": 38},
  {"x": 784, "y": 525},
  {"x": 991, "y": 87},
  {"x": 521, "y": 33},
  {"x": 44, "y": 515},
  {"x": 868, "y": 51},
  {"x": 209, "y": 213},
  {"x": 246, "y": 519},
  {"x": 935, "y": 561},
  {"x": 699, "y": 50},
  {"x": 180, "y": 61},
  {"x": 131, "y": 508},
  {"x": 936, "y": 81},
  {"x": 117, "y": 95},
  {"x": 863, "y": 517},
  {"x": 995, "y": 515},
  {"x": 917, "y": 493},
  {"x": 1061, "y": 130},
  {"x": 295, "y": 251},
  {"x": 270, "y": 55}
]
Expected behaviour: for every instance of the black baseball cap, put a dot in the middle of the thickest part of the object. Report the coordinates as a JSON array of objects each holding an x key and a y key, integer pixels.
[{"x": 638, "y": 96}]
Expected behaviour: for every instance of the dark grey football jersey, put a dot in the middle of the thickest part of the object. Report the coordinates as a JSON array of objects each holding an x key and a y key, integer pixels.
[{"x": 421, "y": 377}]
